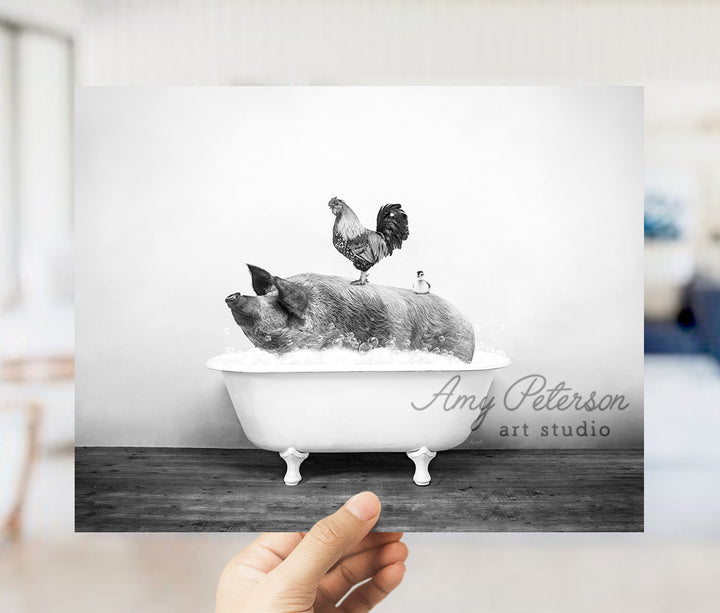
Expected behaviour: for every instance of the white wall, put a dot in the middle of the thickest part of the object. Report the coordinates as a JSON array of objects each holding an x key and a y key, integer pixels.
[
  {"x": 525, "y": 208},
  {"x": 225, "y": 42},
  {"x": 8, "y": 280}
]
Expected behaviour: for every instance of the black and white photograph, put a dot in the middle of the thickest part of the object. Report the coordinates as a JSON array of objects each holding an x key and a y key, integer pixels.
[{"x": 285, "y": 295}]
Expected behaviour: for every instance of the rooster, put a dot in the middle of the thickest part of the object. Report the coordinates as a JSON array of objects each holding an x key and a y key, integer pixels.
[{"x": 363, "y": 247}]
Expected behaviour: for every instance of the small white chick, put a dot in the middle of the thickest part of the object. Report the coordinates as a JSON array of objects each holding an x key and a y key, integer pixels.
[{"x": 421, "y": 286}]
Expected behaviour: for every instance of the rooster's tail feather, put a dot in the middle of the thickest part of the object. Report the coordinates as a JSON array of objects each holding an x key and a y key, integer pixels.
[{"x": 392, "y": 225}]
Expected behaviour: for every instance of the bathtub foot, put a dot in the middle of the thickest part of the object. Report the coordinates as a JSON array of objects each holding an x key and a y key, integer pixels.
[
  {"x": 293, "y": 458},
  {"x": 422, "y": 458}
]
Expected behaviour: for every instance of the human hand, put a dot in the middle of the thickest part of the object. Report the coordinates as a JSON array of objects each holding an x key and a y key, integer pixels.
[{"x": 295, "y": 573}]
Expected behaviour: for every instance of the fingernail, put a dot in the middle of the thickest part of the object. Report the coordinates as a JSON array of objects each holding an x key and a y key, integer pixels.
[{"x": 364, "y": 505}]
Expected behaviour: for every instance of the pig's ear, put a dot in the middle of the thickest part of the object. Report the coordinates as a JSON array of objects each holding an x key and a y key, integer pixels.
[
  {"x": 262, "y": 280},
  {"x": 292, "y": 296}
]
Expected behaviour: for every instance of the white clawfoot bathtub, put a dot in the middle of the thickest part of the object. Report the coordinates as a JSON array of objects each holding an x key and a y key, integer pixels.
[{"x": 416, "y": 409}]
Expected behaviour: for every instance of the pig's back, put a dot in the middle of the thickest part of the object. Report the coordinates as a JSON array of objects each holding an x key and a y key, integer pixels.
[{"x": 422, "y": 321}]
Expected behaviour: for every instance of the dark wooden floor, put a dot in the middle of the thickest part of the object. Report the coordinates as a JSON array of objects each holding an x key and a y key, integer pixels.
[{"x": 120, "y": 489}]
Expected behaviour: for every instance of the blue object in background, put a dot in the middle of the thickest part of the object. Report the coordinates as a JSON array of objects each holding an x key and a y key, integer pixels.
[
  {"x": 697, "y": 327},
  {"x": 662, "y": 217},
  {"x": 670, "y": 337},
  {"x": 705, "y": 303}
]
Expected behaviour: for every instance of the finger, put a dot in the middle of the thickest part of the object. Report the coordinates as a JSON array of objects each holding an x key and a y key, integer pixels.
[
  {"x": 373, "y": 540},
  {"x": 261, "y": 556},
  {"x": 359, "y": 567},
  {"x": 279, "y": 543},
  {"x": 369, "y": 594},
  {"x": 328, "y": 540}
]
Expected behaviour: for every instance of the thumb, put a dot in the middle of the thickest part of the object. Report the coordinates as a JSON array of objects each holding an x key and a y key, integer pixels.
[{"x": 328, "y": 541}]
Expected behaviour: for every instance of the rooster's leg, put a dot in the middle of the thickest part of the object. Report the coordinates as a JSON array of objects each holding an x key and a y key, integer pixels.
[{"x": 362, "y": 280}]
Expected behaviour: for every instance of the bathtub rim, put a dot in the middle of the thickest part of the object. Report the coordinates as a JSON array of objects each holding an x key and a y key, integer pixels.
[{"x": 502, "y": 362}]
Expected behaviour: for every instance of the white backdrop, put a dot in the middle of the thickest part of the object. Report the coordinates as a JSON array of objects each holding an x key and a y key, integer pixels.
[{"x": 525, "y": 209}]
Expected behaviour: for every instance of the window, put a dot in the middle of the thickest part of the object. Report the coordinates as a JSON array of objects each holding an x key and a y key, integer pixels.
[{"x": 36, "y": 75}]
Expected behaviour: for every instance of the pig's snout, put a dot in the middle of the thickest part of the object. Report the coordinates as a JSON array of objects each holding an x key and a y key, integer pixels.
[{"x": 243, "y": 308}]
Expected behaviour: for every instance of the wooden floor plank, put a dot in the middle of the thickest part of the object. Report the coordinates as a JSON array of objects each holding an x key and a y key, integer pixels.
[{"x": 121, "y": 489}]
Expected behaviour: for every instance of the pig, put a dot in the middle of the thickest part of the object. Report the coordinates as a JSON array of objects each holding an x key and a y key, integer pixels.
[{"x": 314, "y": 311}]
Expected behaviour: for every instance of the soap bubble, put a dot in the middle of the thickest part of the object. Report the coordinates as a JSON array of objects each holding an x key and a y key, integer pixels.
[
  {"x": 441, "y": 338},
  {"x": 345, "y": 351},
  {"x": 268, "y": 338},
  {"x": 341, "y": 357}
]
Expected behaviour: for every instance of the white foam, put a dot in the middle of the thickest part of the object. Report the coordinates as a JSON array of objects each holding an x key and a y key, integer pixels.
[
  {"x": 348, "y": 359},
  {"x": 357, "y": 356}
]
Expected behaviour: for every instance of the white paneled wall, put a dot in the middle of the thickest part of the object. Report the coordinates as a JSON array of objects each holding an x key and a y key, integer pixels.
[
  {"x": 45, "y": 125},
  {"x": 8, "y": 281},
  {"x": 157, "y": 42},
  {"x": 44, "y": 165}
]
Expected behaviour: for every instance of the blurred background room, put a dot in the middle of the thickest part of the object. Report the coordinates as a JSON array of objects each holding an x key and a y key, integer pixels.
[
  {"x": 47, "y": 46},
  {"x": 682, "y": 306}
]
